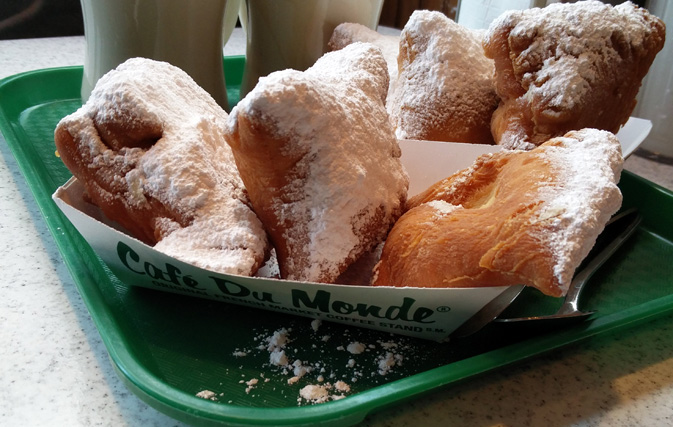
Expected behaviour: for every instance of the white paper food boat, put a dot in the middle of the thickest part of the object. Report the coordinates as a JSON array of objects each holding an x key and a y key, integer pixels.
[{"x": 420, "y": 312}]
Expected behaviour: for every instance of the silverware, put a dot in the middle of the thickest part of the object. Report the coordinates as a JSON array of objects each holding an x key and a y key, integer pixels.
[
  {"x": 621, "y": 226},
  {"x": 489, "y": 312},
  {"x": 617, "y": 231}
]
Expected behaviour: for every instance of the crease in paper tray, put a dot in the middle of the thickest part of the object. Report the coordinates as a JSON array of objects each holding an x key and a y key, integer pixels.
[{"x": 421, "y": 312}]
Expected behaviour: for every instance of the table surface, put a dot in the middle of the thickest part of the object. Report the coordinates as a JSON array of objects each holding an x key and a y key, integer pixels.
[{"x": 54, "y": 369}]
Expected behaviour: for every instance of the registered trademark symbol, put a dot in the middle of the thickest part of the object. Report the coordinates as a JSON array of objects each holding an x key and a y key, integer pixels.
[{"x": 443, "y": 309}]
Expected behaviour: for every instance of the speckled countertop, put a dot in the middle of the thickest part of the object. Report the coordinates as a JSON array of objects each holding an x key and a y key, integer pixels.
[{"x": 54, "y": 369}]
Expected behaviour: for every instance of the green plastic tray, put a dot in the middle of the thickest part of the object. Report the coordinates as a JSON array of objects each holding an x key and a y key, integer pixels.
[{"x": 167, "y": 347}]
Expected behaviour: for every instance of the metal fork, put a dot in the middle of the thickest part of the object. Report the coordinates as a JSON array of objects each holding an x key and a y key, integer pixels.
[
  {"x": 621, "y": 226},
  {"x": 624, "y": 224}
]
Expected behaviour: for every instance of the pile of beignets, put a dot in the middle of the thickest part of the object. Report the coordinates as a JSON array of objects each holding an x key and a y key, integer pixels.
[{"x": 306, "y": 168}]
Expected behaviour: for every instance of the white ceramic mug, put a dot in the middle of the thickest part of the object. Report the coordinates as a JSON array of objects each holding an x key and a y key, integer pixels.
[
  {"x": 186, "y": 33},
  {"x": 294, "y": 33},
  {"x": 655, "y": 99}
]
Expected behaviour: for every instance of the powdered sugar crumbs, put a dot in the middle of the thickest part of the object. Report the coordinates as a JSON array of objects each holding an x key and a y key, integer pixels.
[{"x": 318, "y": 374}]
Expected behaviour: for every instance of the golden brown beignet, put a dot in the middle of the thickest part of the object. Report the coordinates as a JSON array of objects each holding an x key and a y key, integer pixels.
[
  {"x": 514, "y": 217},
  {"x": 445, "y": 89},
  {"x": 149, "y": 149},
  {"x": 320, "y": 161},
  {"x": 349, "y": 32},
  {"x": 567, "y": 67}
]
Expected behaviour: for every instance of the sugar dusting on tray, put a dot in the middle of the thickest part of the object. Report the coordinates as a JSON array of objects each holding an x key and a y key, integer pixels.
[{"x": 323, "y": 380}]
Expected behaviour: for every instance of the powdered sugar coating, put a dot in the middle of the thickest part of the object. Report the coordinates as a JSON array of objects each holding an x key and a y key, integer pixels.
[
  {"x": 574, "y": 198},
  {"x": 588, "y": 164},
  {"x": 349, "y": 32},
  {"x": 445, "y": 80},
  {"x": 559, "y": 64},
  {"x": 563, "y": 60},
  {"x": 189, "y": 169},
  {"x": 347, "y": 176},
  {"x": 513, "y": 217},
  {"x": 442, "y": 207}
]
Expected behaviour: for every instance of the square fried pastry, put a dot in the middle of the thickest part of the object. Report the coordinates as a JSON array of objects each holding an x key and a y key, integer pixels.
[
  {"x": 569, "y": 66},
  {"x": 444, "y": 90},
  {"x": 513, "y": 217},
  {"x": 349, "y": 32},
  {"x": 149, "y": 149},
  {"x": 320, "y": 161}
]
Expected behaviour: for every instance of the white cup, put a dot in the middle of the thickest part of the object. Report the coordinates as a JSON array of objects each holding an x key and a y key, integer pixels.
[
  {"x": 294, "y": 33},
  {"x": 186, "y": 33},
  {"x": 655, "y": 99}
]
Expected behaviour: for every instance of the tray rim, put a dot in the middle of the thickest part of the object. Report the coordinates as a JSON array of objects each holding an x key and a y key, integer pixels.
[{"x": 186, "y": 407}]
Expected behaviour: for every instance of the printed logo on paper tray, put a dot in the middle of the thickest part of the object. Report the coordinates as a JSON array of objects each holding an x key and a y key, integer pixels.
[{"x": 278, "y": 296}]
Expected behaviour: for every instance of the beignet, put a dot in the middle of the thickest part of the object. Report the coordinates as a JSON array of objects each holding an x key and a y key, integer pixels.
[
  {"x": 320, "y": 161},
  {"x": 569, "y": 66},
  {"x": 514, "y": 217},
  {"x": 444, "y": 90},
  {"x": 148, "y": 146},
  {"x": 349, "y": 32}
]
